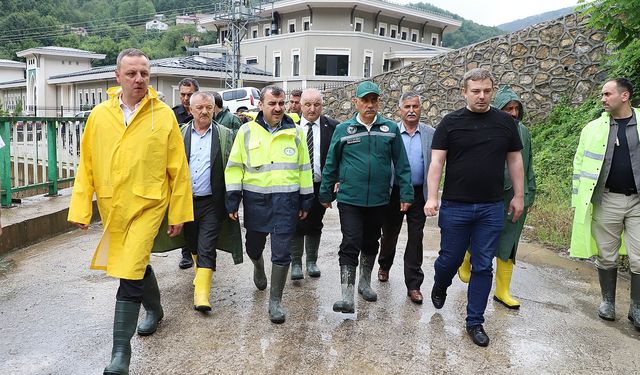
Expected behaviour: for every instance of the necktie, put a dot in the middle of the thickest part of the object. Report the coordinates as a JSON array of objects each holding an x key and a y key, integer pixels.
[{"x": 310, "y": 142}]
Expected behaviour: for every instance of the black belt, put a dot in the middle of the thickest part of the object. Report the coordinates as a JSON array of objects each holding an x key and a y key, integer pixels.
[
  {"x": 627, "y": 192},
  {"x": 202, "y": 197}
]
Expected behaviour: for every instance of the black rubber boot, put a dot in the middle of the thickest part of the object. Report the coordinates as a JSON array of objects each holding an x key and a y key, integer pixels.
[
  {"x": 608, "y": 280},
  {"x": 259, "y": 277},
  {"x": 312, "y": 244},
  {"x": 297, "y": 247},
  {"x": 278, "y": 279},
  {"x": 634, "y": 309},
  {"x": 151, "y": 304},
  {"x": 124, "y": 326},
  {"x": 364, "y": 283},
  {"x": 347, "y": 283}
]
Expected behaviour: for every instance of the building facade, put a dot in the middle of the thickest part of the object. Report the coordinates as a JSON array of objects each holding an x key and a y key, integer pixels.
[{"x": 319, "y": 43}]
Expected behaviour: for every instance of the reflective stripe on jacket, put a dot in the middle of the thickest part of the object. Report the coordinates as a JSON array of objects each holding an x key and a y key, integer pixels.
[
  {"x": 587, "y": 166},
  {"x": 271, "y": 174}
]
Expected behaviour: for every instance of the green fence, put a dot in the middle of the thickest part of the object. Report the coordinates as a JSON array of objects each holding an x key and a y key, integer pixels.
[{"x": 39, "y": 152}]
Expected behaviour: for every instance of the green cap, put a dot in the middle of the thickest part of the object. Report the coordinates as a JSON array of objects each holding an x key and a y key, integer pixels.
[{"x": 367, "y": 87}]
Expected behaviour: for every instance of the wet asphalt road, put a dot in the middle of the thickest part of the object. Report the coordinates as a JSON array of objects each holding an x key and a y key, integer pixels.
[{"x": 56, "y": 318}]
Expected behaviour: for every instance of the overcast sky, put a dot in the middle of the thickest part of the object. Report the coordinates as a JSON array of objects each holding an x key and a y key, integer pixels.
[{"x": 495, "y": 12}]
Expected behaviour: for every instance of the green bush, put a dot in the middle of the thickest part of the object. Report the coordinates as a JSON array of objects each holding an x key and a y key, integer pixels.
[{"x": 554, "y": 144}]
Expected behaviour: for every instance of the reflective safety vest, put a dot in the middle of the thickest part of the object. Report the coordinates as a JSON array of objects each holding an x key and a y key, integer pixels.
[
  {"x": 587, "y": 166},
  {"x": 272, "y": 174}
]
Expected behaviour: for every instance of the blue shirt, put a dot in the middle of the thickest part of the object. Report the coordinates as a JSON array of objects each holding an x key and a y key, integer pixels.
[
  {"x": 413, "y": 146},
  {"x": 200, "y": 163}
]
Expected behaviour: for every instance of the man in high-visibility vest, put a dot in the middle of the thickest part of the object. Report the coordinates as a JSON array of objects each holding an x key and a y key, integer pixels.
[
  {"x": 606, "y": 181},
  {"x": 269, "y": 170}
]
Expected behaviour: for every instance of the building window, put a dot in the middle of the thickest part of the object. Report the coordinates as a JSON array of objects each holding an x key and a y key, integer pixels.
[
  {"x": 100, "y": 96},
  {"x": 367, "y": 67},
  {"x": 295, "y": 62},
  {"x": 277, "y": 63},
  {"x": 414, "y": 35},
  {"x": 267, "y": 30},
  {"x": 251, "y": 60},
  {"x": 385, "y": 65},
  {"x": 332, "y": 65},
  {"x": 435, "y": 39},
  {"x": 254, "y": 32},
  {"x": 306, "y": 23},
  {"x": 394, "y": 31},
  {"x": 404, "y": 33},
  {"x": 359, "y": 22},
  {"x": 382, "y": 29},
  {"x": 93, "y": 97},
  {"x": 292, "y": 26}
]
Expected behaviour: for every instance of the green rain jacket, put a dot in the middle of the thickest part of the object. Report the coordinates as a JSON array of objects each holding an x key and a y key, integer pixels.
[
  {"x": 228, "y": 119},
  {"x": 508, "y": 244},
  {"x": 360, "y": 160}
]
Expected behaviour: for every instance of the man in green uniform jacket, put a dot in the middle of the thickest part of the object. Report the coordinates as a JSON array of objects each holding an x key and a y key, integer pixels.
[
  {"x": 508, "y": 101},
  {"x": 358, "y": 168}
]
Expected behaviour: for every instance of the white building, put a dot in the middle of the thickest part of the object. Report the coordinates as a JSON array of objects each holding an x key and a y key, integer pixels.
[
  {"x": 314, "y": 43},
  {"x": 156, "y": 25}
]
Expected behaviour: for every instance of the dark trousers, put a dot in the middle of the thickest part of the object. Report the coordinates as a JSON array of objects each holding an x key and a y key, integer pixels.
[
  {"x": 132, "y": 290},
  {"x": 313, "y": 223},
  {"x": 360, "y": 228},
  {"x": 413, "y": 275},
  {"x": 280, "y": 253},
  {"x": 473, "y": 226},
  {"x": 202, "y": 234}
]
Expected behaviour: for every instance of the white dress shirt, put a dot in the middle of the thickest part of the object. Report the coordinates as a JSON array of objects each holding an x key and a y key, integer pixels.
[{"x": 317, "y": 173}]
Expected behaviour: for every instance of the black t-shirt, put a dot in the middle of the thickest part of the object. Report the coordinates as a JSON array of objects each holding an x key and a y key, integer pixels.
[
  {"x": 477, "y": 146},
  {"x": 620, "y": 177}
]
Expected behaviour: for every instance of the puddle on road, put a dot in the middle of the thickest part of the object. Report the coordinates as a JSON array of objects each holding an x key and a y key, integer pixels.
[{"x": 6, "y": 266}]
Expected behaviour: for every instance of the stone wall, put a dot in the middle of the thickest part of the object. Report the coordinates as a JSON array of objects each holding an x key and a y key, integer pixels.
[{"x": 542, "y": 63}]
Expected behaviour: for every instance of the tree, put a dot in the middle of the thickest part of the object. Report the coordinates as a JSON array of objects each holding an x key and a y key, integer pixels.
[{"x": 620, "y": 21}]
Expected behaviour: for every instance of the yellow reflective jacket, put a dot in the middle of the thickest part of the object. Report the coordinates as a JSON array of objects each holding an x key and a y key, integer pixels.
[
  {"x": 271, "y": 174},
  {"x": 587, "y": 165},
  {"x": 136, "y": 172}
]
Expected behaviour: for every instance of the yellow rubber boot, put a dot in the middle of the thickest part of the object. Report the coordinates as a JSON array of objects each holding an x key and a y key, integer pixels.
[
  {"x": 195, "y": 267},
  {"x": 503, "y": 282},
  {"x": 202, "y": 289},
  {"x": 464, "y": 272}
]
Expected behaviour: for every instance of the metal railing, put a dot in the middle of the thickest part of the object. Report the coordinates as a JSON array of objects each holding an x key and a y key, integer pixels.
[{"x": 39, "y": 153}]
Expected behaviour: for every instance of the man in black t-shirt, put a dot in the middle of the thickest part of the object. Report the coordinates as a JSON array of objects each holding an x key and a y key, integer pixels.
[{"x": 474, "y": 142}]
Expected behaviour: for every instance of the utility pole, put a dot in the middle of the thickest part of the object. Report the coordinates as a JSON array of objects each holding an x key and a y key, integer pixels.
[{"x": 231, "y": 19}]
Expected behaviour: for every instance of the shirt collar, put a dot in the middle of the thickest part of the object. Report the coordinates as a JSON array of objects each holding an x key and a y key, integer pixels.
[
  {"x": 404, "y": 130},
  {"x": 359, "y": 120},
  {"x": 632, "y": 121},
  {"x": 304, "y": 122},
  {"x": 122, "y": 105}
]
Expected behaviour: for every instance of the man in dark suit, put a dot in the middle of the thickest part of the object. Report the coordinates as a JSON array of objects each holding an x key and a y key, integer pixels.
[
  {"x": 183, "y": 114},
  {"x": 417, "y": 138},
  {"x": 207, "y": 146},
  {"x": 182, "y": 111},
  {"x": 318, "y": 131}
]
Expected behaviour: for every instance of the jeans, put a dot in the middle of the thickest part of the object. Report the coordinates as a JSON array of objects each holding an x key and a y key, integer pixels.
[{"x": 473, "y": 226}]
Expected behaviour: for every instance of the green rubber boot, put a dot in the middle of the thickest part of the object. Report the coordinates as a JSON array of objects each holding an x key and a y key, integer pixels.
[
  {"x": 347, "y": 281},
  {"x": 278, "y": 279},
  {"x": 608, "y": 280},
  {"x": 364, "y": 283},
  {"x": 259, "y": 277},
  {"x": 312, "y": 244},
  {"x": 151, "y": 304},
  {"x": 634, "y": 309},
  {"x": 297, "y": 247},
  {"x": 124, "y": 326}
]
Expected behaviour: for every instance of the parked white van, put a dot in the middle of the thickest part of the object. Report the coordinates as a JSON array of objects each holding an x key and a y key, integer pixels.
[{"x": 241, "y": 98}]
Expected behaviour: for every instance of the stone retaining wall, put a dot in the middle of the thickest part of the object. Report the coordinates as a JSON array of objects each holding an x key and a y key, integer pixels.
[{"x": 542, "y": 63}]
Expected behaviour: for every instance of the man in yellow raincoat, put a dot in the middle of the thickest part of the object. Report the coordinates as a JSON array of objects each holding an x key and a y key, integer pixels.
[{"x": 133, "y": 158}]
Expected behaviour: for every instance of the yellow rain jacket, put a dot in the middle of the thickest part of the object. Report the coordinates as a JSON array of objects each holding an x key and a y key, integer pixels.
[{"x": 136, "y": 172}]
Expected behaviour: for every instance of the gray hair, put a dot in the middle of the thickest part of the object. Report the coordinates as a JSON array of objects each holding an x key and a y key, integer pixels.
[
  {"x": 129, "y": 52},
  {"x": 205, "y": 94},
  {"x": 477, "y": 74},
  {"x": 275, "y": 91},
  {"x": 308, "y": 93},
  {"x": 408, "y": 95},
  {"x": 189, "y": 82}
]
